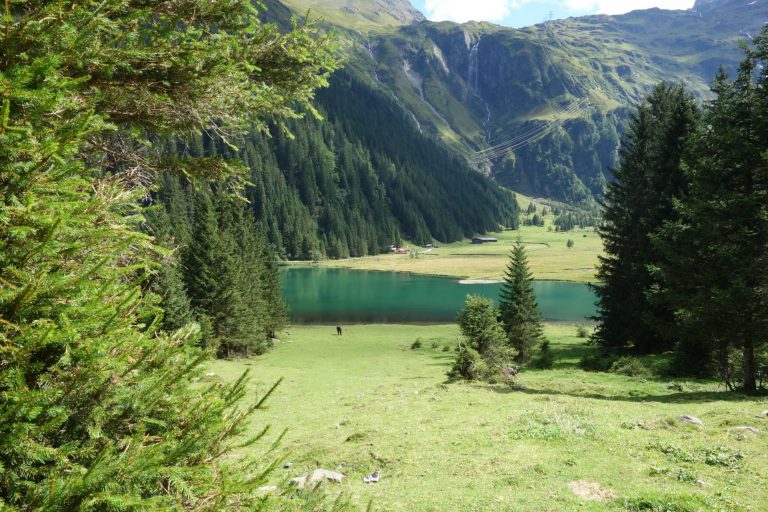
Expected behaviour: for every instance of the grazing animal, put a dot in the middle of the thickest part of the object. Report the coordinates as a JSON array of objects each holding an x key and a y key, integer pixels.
[{"x": 338, "y": 330}]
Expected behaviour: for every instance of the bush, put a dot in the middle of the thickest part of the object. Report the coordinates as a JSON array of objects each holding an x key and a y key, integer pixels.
[
  {"x": 630, "y": 366},
  {"x": 599, "y": 362},
  {"x": 446, "y": 348},
  {"x": 546, "y": 358},
  {"x": 416, "y": 344},
  {"x": 582, "y": 332},
  {"x": 667, "y": 504},
  {"x": 469, "y": 365}
]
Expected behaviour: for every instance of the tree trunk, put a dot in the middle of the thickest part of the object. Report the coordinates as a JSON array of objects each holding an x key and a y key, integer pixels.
[{"x": 750, "y": 382}]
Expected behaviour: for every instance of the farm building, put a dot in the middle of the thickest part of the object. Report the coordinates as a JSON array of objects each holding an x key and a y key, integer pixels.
[{"x": 483, "y": 240}]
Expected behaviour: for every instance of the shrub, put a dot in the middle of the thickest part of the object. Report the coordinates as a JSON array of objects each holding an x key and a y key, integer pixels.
[
  {"x": 667, "y": 504},
  {"x": 446, "y": 348},
  {"x": 416, "y": 344},
  {"x": 630, "y": 366},
  {"x": 599, "y": 362},
  {"x": 546, "y": 358},
  {"x": 469, "y": 365},
  {"x": 582, "y": 332}
]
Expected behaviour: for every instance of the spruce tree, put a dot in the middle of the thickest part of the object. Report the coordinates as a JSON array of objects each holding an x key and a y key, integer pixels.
[
  {"x": 518, "y": 308},
  {"x": 715, "y": 267},
  {"x": 99, "y": 410},
  {"x": 482, "y": 352},
  {"x": 637, "y": 203}
]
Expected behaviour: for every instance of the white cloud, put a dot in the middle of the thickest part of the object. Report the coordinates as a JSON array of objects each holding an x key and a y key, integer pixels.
[
  {"x": 464, "y": 10},
  {"x": 620, "y": 7},
  {"x": 498, "y": 10}
]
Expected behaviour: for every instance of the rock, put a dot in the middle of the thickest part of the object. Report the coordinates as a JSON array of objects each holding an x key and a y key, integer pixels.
[
  {"x": 267, "y": 488},
  {"x": 372, "y": 478},
  {"x": 764, "y": 415},
  {"x": 751, "y": 430},
  {"x": 288, "y": 465},
  {"x": 319, "y": 475},
  {"x": 316, "y": 477},
  {"x": 299, "y": 481},
  {"x": 693, "y": 420},
  {"x": 210, "y": 374}
]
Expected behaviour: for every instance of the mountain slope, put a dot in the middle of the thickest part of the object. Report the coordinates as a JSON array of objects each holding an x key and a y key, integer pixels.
[{"x": 555, "y": 95}]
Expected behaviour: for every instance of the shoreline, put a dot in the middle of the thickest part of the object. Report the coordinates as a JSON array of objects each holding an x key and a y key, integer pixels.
[{"x": 461, "y": 279}]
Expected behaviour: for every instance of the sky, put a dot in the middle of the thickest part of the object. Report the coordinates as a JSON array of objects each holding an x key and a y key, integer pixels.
[{"x": 523, "y": 13}]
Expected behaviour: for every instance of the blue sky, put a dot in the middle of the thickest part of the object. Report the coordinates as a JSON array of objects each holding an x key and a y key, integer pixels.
[{"x": 522, "y": 13}]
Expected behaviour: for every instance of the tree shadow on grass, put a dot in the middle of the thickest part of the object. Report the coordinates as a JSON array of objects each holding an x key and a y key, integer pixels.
[
  {"x": 691, "y": 397},
  {"x": 568, "y": 356}
]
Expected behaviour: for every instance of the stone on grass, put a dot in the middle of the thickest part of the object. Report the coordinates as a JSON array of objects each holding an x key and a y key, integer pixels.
[
  {"x": 591, "y": 491},
  {"x": 764, "y": 414},
  {"x": 317, "y": 476},
  {"x": 751, "y": 430},
  {"x": 372, "y": 478},
  {"x": 693, "y": 420},
  {"x": 267, "y": 488}
]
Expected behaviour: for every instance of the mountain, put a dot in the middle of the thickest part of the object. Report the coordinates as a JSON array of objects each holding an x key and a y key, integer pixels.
[
  {"x": 540, "y": 109},
  {"x": 361, "y": 14}
]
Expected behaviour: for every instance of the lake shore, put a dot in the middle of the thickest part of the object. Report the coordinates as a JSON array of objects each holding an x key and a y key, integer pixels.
[{"x": 549, "y": 257}]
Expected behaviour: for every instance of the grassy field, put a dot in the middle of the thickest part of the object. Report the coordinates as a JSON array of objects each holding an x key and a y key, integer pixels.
[
  {"x": 564, "y": 440},
  {"x": 548, "y": 256}
]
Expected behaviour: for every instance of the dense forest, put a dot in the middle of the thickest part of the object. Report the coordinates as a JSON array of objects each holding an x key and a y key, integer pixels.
[
  {"x": 359, "y": 181},
  {"x": 686, "y": 230},
  {"x": 220, "y": 271}
]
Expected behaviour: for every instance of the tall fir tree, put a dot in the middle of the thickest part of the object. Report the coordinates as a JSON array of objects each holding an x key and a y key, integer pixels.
[
  {"x": 518, "y": 308},
  {"x": 168, "y": 281},
  {"x": 715, "y": 266},
  {"x": 637, "y": 203},
  {"x": 99, "y": 410}
]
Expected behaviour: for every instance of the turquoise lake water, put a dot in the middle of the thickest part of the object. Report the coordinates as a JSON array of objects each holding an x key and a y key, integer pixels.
[{"x": 328, "y": 296}]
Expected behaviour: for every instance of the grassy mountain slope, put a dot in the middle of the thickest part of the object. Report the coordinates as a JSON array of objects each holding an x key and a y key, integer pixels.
[{"x": 476, "y": 85}]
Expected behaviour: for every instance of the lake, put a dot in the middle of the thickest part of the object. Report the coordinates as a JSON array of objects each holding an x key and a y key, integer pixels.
[{"x": 329, "y": 296}]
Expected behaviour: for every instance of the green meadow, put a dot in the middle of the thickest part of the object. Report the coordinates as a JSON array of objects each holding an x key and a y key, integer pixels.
[
  {"x": 558, "y": 440},
  {"x": 548, "y": 256}
]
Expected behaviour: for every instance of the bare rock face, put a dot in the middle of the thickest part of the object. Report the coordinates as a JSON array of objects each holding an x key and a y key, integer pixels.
[
  {"x": 402, "y": 10},
  {"x": 692, "y": 420}
]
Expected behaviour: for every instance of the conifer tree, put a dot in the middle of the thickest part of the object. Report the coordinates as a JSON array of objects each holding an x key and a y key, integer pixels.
[
  {"x": 518, "y": 308},
  {"x": 637, "y": 203},
  {"x": 98, "y": 410},
  {"x": 715, "y": 266},
  {"x": 482, "y": 351}
]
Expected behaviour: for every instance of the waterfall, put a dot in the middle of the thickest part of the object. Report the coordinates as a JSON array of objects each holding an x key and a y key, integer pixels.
[
  {"x": 472, "y": 80},
  {"x": 474, "y": 86}
]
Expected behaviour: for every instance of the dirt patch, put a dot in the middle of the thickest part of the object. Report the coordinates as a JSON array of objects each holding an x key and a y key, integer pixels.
[{"x": 591, "y": 491}]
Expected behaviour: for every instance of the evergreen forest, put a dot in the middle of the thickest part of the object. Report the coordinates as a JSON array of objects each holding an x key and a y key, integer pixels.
[{"x": 358, "y": 181}]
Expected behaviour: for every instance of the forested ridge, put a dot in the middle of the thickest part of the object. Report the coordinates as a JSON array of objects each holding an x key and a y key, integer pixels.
[{"x": 359, "y": 181}]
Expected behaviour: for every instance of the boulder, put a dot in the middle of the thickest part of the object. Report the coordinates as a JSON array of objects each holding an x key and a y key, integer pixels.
[
  {"x": 372, "y": 478},
  {"x": 751, "y": 430},
  {"x": 692, "y": 420},
  {"x": 316, "y": 477}
]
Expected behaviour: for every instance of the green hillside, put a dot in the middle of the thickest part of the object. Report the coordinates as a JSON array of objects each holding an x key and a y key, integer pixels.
[{"x": 545, "y": 105}]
